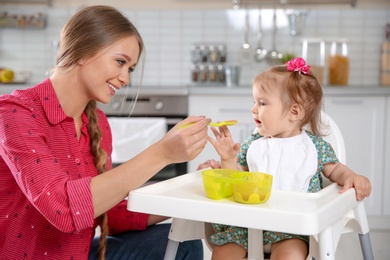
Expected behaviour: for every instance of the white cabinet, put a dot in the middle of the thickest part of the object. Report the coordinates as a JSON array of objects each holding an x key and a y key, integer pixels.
[
  {"x": 220, "y": 108},
  {"x": 386, "y": 174},
  {"x": 362, "y": 122}
]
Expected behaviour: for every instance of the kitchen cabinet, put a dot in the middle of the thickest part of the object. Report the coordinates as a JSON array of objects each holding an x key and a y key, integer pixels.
[{"x": 363, "y": 118}]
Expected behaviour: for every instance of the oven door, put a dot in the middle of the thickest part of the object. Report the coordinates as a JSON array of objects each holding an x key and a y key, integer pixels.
[{"x": 133, "y": 135}]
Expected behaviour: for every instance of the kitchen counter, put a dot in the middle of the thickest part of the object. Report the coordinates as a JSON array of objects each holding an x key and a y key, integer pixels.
[
  {"x": 221, "y": 90},
  {"x": 328, "y": 90},
  {"x": 145, "y": 90}
]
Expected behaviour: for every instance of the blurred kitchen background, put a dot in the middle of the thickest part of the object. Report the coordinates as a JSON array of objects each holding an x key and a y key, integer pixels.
[
  {"x": 171, "y": 27},
  {"x": 193, "y": 47}
]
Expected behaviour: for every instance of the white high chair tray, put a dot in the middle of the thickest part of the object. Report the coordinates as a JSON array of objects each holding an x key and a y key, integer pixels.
[{"x": 183, "y": 197}]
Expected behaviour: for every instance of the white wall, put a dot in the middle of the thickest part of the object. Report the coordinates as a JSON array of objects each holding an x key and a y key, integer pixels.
[{"x": 168, "y": 35}]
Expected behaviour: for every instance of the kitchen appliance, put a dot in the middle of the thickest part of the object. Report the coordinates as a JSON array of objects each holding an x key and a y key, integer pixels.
[{"x": 171, "y": 106}]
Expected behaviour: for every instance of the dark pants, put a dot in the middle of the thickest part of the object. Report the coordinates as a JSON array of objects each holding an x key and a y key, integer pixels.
[{"x": 149, "y": 244}]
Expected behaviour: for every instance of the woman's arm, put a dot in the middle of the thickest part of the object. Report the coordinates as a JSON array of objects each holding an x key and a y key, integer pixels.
[{"x": 178, "y": 145}]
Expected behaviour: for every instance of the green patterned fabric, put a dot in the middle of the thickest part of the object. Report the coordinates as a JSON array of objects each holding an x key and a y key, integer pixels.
[{"x": 225, "y": 234}]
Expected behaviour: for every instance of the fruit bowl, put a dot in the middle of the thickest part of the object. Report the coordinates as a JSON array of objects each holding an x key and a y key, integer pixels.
[{"x": 245, "y": 187}]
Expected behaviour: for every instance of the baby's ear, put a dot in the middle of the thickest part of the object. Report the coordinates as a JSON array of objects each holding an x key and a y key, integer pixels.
[{"x": 296, "y": 112}]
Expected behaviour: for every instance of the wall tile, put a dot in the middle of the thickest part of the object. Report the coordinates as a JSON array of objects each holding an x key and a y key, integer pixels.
[{"x": 168, "y": 35}]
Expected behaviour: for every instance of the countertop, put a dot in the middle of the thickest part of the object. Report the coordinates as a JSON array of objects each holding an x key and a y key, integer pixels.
[
  {"x": 327, "y": 90},
  {"x": 221, "y": 90}
]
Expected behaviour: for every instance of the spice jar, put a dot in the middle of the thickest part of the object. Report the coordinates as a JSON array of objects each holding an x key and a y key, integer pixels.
[
  {"x": 212, "y": 73},
  {"x": 202, "y": 73},
  {"x": 338, "y": 64},
  {"x": 195, "y": 53},
  {"x": 213, "y": 53},
  {"x": 194, "y": 73},
  {"x": 204, "y": 53},
  {"x": 222, "y": 53},
  {"x": 221, "y": 76}
]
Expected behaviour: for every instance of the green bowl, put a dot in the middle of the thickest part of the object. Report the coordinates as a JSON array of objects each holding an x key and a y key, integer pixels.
[
  {"x": 251, "y": 187},
  {"x": 245, "y": 187}
]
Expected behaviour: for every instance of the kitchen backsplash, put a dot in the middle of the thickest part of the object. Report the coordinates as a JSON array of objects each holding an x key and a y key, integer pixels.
[{"x": 168, "y": 36}]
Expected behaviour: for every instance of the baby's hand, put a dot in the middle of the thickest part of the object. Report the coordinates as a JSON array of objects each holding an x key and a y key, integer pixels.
[
  {"x": 361, "y": 184},
  {"x": 224, "y": 144},
  {"x": 209, "y": 164}
]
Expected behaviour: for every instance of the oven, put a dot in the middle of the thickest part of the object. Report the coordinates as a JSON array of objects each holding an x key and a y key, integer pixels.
[{"x": 170, "y": 107}]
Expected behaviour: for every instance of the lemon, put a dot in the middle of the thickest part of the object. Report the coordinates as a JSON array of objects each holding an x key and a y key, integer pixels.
[{"x": 6, "y": 75}]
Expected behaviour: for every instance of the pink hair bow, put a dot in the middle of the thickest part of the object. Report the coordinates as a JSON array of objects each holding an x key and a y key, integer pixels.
[{"x": 298, "y": 64}]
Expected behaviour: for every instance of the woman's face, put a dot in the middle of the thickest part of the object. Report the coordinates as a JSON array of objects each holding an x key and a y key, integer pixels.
[
  {"x": 269, "y": 114},
  {"x": 108, "y": 71}
]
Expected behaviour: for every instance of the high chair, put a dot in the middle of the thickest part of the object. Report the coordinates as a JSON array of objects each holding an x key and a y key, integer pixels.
[{"x": 324, "y": 215}]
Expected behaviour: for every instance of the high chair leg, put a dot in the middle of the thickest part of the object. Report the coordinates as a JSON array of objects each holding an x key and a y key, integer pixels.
[
  {"x": 255, "y": 238},
  {"x": 365, "y": 243},
  {"x": 171, "y": 250}
]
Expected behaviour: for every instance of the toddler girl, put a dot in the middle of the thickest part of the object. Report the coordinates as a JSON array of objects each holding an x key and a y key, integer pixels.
[{"x": 286, "y": 99}]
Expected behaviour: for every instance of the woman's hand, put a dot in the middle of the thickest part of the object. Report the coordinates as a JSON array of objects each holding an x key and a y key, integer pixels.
[{"x": 184, "y": 144}]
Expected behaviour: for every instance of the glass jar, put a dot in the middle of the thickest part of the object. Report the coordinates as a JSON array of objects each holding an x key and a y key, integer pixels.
[
  {"x": 195, "y": 53},
  {"x": 204, "y": 53},
  {"x": 338, "y": 64},
  {"x": 194, "y": 73},
  {"x": 203, "y": 73},
  {"x": 222, "y": 53},
  {"x": 221, "y": 76},
  {"x": 213, "y": 54},
  {"x": 212, "y": 73},
  {"x": 313, "y": 52}
]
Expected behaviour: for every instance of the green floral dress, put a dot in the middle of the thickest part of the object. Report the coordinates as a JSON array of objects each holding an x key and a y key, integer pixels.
[{"x": 226, "y": 234}]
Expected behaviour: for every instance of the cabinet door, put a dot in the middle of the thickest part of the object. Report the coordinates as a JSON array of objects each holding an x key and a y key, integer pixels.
[
  {"x": 222, "y": 108},
  {"x": 386, "y": 174},
  {"x": 361, "y": 121}
]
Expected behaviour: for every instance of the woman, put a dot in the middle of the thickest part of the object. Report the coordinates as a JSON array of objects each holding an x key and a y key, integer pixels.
[{"x": 56, "y": 180}]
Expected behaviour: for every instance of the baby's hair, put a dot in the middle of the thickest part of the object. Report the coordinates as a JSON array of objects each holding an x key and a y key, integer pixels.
[{"x": 295, "y": 88}]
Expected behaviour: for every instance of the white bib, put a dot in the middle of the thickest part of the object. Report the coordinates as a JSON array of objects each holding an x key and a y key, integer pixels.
[{"x": 292, "y": 161}]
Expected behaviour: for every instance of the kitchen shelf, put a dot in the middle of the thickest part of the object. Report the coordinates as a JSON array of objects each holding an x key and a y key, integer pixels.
[
  {"x": 16, "y": 2},
  {"x": 23, "y": 21}
]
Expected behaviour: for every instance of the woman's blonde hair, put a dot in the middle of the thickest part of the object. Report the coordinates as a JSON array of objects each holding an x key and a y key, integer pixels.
[
  {"x": 295, "y": 88},
  {"x": 83, "y": 36}
]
